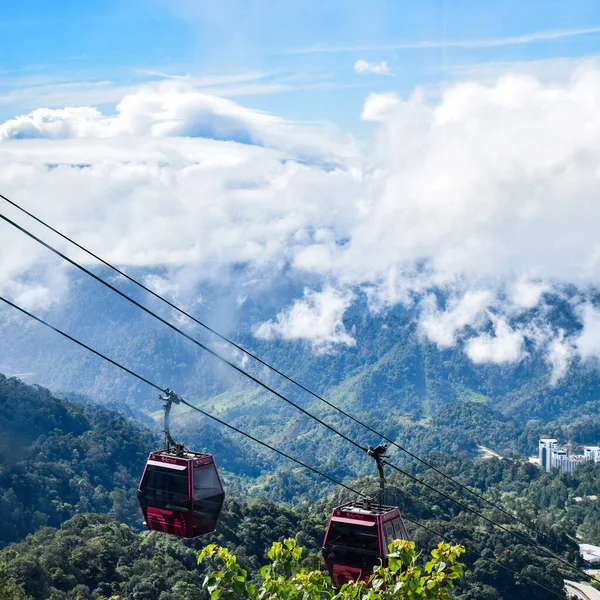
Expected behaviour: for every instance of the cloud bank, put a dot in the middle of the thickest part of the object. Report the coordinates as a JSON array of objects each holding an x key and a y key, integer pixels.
[
  {"x": 172, "y": 109},
  {"x": 473, "y": 207}
]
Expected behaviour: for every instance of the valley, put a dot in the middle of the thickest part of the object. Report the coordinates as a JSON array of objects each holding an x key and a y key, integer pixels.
[{"x": 77, "y": 468}]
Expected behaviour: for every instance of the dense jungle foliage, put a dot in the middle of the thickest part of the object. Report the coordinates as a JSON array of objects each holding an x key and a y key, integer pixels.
[{"x": 62, "y": 460}]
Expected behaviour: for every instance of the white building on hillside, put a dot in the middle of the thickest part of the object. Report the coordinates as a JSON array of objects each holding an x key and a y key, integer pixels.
[
  {"x": 554, "y": 457},
  {"x": 592, "y": 453},
  {"x": 547, "y": 445},
  {"x": 590, "y": 553},
  {"x": 563, "y": 462}
]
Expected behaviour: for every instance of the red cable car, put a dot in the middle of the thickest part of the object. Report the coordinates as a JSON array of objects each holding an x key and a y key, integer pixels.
[
  {"x": 359, "y": 533},
  {"x": 180, "y": 491},
  {"x": 357, "y": 539}
]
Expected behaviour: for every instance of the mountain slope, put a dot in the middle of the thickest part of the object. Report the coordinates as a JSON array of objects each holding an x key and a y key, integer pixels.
[
  {"x": 392, "y": 377},
  {"x": 59, "y": 458}
]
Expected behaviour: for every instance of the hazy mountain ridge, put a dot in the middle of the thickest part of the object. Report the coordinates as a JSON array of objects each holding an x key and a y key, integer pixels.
[{"x": 392, "y": 377}]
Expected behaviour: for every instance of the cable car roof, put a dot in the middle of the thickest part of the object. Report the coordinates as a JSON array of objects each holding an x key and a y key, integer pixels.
[
  {"x": 360, "y": 508},
  {"x": 199, "y": 459}
]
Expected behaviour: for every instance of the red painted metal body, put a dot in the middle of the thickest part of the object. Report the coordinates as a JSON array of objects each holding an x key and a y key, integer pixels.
[
  {"x": 357, "y": 539},
  {"x": 181, "y": 495}
]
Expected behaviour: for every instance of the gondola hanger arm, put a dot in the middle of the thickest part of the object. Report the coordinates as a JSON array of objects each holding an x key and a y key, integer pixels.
[
  {"x": 169, "y": 399},
  {"x": 379, "y": 454}
]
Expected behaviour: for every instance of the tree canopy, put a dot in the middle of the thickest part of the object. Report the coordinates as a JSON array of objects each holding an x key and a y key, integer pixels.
[{"x": 403, "y": 578}]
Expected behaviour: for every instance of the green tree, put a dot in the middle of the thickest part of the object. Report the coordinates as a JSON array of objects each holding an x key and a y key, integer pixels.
[
  {"x": 403, "y": 577},
  {"x": 10, "y": 589}
]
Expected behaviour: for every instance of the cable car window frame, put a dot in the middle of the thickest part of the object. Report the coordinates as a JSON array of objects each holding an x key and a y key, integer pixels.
[
  {"x": 365, "y": 557},
  {"x": 163, "y": 495},
  {"x": 215, "y": 483},
  {"x": 390, "y": 535},
  {"x": 399, "y": 531}
]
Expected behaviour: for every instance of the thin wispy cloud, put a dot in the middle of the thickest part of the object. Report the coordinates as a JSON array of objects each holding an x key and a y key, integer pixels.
[
  {"x": 210, "y": 79},
  {"x": 546, "y": 69},
  {"x": 161, "y": 75},
  {"x": 58, "y": 90},
  {"x": 530, "y": 38}
]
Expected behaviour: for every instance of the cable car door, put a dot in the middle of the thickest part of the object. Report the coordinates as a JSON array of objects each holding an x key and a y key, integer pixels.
[
  {"x": 165, "y": 498},
  {"x": 351, "y": 549}
]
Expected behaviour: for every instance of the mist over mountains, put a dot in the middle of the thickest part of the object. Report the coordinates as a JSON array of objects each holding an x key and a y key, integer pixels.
[
  {"x": 390, "y": 374},
  {"x": 473, "y": 207}
]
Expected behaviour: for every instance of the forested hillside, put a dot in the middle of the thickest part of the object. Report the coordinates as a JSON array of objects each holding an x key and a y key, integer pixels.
[
  {"x": 392, "y": 377},
  {"x": 94, "y": 555},
  {"x": 60, "y": 458}
]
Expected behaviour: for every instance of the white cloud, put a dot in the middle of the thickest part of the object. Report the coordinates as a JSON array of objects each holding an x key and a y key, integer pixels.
[
  {"x": 54, "y": 123},
  {"x": 486, "y": 187},
  {"x": 442, "y": 327},
  {"x": 527, "y": 294},
  {"x": 362, "y": 66},
  {"x": 379, "y": 106},
  {"x": 316, "y": 318},
  {"x": 588, "y": 341},
  {"x": 560, "y": 354},
  {"x": 175, "y": 109},
  {"x": 490, "y": 182},
  {"x": 504, "y": 347}
]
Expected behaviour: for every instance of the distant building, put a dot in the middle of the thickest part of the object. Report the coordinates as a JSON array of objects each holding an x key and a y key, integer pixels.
[
  {"x": 590, "y": 553},
  {"x": 554, "y": 457},
  {"x": 547, "y": 446},
  {"x": 592, "y": 453},
  {"x": 563, "y": 462}
]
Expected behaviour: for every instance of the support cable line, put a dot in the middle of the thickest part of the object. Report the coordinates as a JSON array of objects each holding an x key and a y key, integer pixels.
[
  {"x": 287, "y": 400},
  {"x": 181, "y": 332},
  {"x": 162, "y": 390},
  {"x": 251, "y": 437},
  {"x": 286, "y": 377}
]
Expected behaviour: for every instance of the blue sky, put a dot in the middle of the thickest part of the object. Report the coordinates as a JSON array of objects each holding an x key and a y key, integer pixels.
[
  {"x": 493, "y": 187},
  {"x": 293, "y": 59}
]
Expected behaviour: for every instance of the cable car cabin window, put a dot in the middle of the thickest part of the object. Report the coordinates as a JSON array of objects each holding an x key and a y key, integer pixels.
[
  {"x": 352, "y": 545},
  {"x": 391, "y": 524},
  {"x": 399, "y": 531},
  {"x": 208, "y": 496},
  {"x": 166, "y": 488},
  {"x": 389, "y": 536}
]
